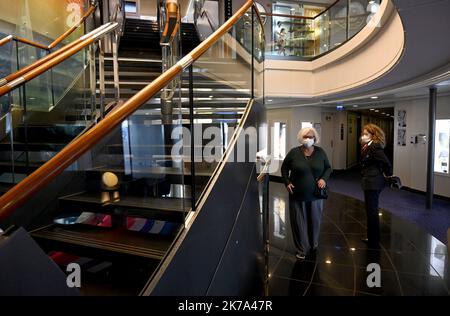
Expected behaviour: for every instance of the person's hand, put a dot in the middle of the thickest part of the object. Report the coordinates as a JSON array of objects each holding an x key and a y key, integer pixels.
[
  {"x": 321, "y": 183},
  {"x": 290, "y": 187}
]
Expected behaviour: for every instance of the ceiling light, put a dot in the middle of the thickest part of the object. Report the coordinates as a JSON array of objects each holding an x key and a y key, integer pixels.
[
  {"x": 374, "y": 97},
  {"x": 372, "y": 109},
  {"x": 355, "y": 106},
  {"x": 269, "y": 100},
  {"x": 383, "y": 113},
  {"x": 352, "y": 249},
  {"x": 377, "y": 111},
  {"x": 211, "y": 96},
  {"x": 328, "y": 261}
]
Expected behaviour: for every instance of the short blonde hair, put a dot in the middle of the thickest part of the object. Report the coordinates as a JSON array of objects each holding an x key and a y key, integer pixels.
[{"x": 305, "y": 131}]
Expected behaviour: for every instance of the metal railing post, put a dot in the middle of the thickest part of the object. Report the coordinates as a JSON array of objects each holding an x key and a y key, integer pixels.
[
  {"x": 101, "y": 72},
  {"x": 115, "y": 65},
  {"x": 191, "y": 125},
  {"x": 92, "y": 79}
]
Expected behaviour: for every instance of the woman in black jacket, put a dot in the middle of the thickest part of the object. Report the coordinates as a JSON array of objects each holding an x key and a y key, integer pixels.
[
  {"x": 305, "y": 168},
  {"x": 375, "y": 167}
]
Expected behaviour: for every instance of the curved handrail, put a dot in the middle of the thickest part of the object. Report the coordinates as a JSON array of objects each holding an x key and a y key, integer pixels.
[
  {"x": 20, "y": 193},
  {"x": 53, "y": 44},
  {"x": 45, "y": 59},
  {"x": 73, "y": 28},
  {"x": 287, "y": 15},
  {"x": 10, "y": 38},
  {"x": 5, "y": 40},
  {"x": 41, "y": 66}
]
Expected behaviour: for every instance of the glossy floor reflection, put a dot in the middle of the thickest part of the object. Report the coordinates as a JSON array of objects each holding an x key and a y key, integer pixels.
[{"x": 412, "y": 262}]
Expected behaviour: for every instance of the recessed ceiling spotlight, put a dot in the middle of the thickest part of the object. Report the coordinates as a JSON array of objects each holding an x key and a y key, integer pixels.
[
  {"x": 377, "y": 111},
  {"x": 374, "y": 97},
  {"x": 355, "y": 106},
  {"x": 372, "y": 109},
  {"x": 269, "y": 100}
]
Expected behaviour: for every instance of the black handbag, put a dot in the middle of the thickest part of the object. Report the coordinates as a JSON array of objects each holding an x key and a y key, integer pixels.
[
  {"x": 393, "y": 182},
  {"x": 321, "y": 193}
]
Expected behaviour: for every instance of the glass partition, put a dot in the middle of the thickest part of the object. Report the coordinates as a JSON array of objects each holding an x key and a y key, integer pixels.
[
  {"x": 40, "y": 117},
  {"x": 306, "y": 32}
]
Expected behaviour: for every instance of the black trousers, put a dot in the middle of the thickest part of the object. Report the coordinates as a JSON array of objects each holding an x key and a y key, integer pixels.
[{"x": 371, "y": 198}]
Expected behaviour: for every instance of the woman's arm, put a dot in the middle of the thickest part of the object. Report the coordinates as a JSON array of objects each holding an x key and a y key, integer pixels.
[
  {"x": 327, "y": 167},
  {"x": 381, "y": 157},
  {"x": 285, "y": 168}
]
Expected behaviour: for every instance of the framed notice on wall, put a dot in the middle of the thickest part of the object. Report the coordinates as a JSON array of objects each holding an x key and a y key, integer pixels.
[
  {"x": 228, "y": 9},
  {"x": 401, "y": 128},
  {"x": 442, "y": 146}
]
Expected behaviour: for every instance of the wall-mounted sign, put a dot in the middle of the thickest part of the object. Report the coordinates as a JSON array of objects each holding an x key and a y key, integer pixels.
[
  {"x": 442, "y": 146},
  {"x": 228, "y": 9}
]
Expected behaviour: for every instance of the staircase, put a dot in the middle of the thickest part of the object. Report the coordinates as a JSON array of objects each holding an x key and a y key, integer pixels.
[{"x": 119, "y": 233}]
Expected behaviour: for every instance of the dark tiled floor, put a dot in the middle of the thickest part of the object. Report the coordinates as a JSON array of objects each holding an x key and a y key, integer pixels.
[{"x": 411, "y": 261}]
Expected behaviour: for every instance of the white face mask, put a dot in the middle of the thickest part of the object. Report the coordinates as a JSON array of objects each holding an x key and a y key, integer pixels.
[
  {"x": 308, "y": 142},
  {"x": 365, "y": 139}
]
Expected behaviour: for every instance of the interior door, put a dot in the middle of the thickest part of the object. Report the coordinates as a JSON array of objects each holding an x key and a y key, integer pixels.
[{"x": 327, "y": 135}]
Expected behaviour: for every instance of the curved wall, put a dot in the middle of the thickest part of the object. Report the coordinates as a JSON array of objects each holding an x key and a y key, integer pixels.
[{"x": 371, "y": 53}]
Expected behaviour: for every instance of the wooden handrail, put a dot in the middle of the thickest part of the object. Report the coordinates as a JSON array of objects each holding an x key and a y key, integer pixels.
[
  {"x": 6, "y": 40},
  {"x": 58, "y": 58},
  {"x": 287, "y": 15},
  {"x": 10, "y": 38},
  {"x": 45, "y": 59},
  {"x": 73, "y": 28},
  {"x": 55, "y": 42},
  {"x": 24, "y": 190}
]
